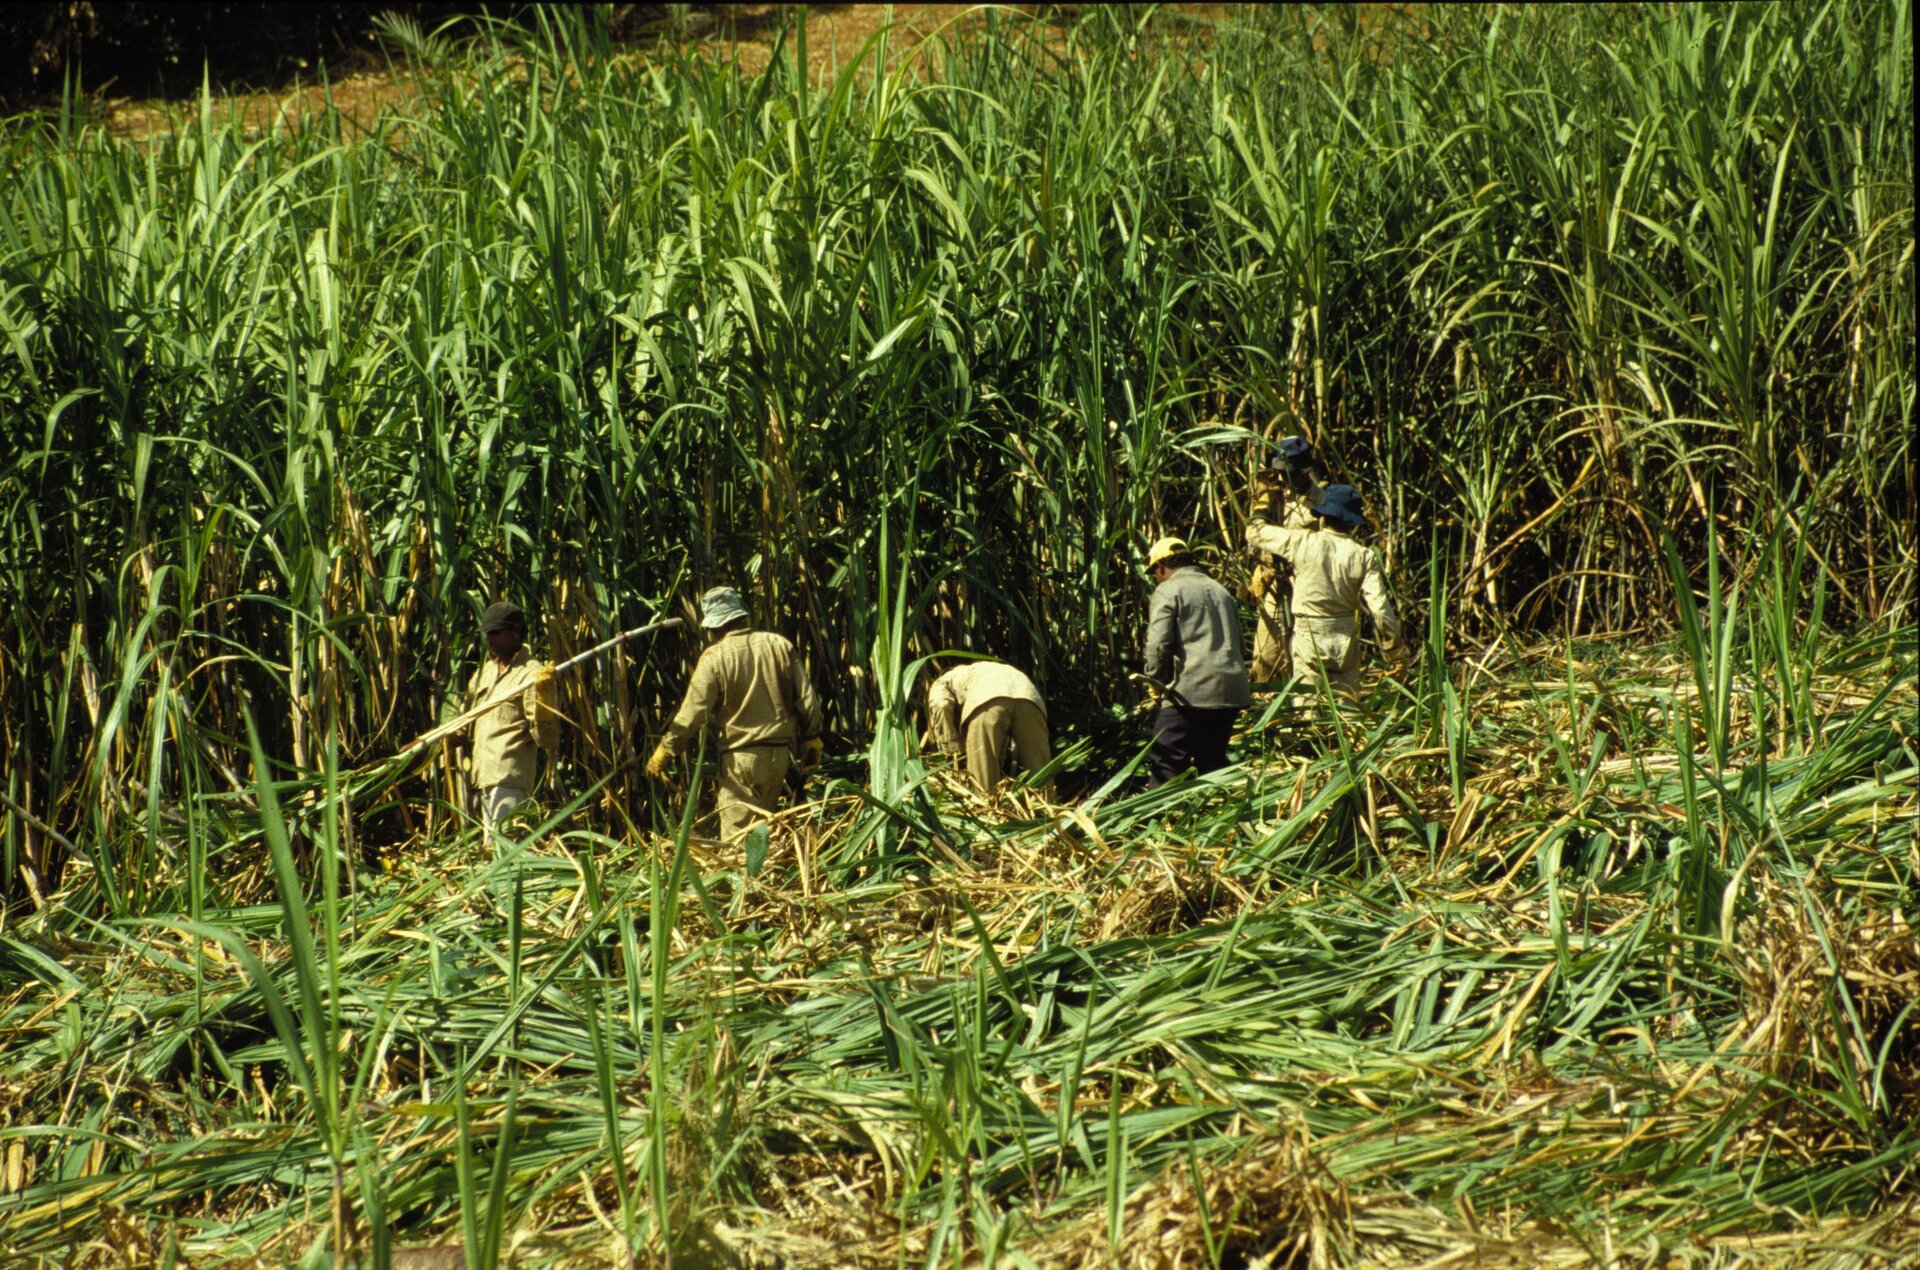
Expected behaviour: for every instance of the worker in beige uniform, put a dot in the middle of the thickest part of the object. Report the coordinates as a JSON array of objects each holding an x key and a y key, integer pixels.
[
  {"x": 516, "y": 720},
  {"x": 749, "y": 686},
  {"x": 1334, "y": 578},
  {"x": 977, "y": 708},
  {"x": 1286, "y": 495}
]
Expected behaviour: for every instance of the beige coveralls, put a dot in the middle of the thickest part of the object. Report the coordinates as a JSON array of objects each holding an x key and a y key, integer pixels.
[
  {"x": 1270, "y": 631},
  {"x": 751, "y": 687},
  {"x": 994, "y": 704},
  {"x": 1333, "y": 577},
  {"x": 507, "y": 737}
]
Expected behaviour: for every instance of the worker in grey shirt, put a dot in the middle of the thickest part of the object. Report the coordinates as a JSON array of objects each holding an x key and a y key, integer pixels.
[{"x": 1194, "y": 658}]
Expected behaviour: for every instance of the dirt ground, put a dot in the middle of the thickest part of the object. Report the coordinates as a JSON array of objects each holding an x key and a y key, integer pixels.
[{"x": 835, "y": 35}]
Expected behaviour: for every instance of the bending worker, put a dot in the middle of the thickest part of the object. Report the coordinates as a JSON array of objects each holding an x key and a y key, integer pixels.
[
  {"x": 1334, "y": 577},
  {"x": 518, "y": 722},
  {"x": 1193, "y": 658},
  {"x": 750, "y": 686},
  {"x": 1272, "y": 583},
  {"x": 976, "y": 708}
]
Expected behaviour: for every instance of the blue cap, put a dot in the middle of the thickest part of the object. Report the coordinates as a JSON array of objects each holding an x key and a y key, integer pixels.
[
  {"x": 1293, "y": 449},
  {"x": 1341, "y": 503}
]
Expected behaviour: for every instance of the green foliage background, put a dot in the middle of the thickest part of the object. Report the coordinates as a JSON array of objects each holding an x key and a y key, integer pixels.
[{"x": 283, "y": 410}]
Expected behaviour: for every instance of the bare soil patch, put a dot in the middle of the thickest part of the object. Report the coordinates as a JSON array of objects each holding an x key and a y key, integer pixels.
[{"x": 835, "y": 35}]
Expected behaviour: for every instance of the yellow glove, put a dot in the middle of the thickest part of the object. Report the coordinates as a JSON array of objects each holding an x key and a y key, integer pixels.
[
  {"x": 812, "y": 751},
  {"x": 657, "y": 765},
  {"x": 1261, "y": 582}
]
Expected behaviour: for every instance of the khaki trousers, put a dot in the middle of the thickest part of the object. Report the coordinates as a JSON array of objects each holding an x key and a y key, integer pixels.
[
  {"x": 1001, "y": 720},
  {"x": 750, "y": 786},
  {"x": 1327, "y": 651},
  {"x": 1270, "y": 651},
  {"x": 497, "y": 803}
]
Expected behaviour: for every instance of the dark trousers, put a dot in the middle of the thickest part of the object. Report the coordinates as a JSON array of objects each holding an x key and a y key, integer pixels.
[{"x": 1188, "y": 736}]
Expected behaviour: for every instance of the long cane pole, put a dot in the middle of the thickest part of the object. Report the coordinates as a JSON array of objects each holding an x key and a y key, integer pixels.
[
  {"x": 467, "y": 716},
  {"x": 383, "y": 772}
]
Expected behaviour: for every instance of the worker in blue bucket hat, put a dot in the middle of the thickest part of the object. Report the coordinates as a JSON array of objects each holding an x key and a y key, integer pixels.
[{"x": 1335, "y": 578}]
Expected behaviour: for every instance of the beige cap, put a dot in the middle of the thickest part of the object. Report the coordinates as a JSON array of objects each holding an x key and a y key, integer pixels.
[{"x": 720, "y": 606}]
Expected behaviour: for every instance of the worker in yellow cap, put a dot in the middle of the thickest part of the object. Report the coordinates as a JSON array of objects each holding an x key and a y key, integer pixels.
[
  {"x": 1194, "y": 659},
  {"x": 516, "y": 719},
  {"x": 1335, "y": 577},
  {"x": 750, "y": 687}
]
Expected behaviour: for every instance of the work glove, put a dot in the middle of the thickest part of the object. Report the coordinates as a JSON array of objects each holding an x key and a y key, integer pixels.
[
  {"x": 657, "y": 765},
  {"x": 812, "y": 751},
  {"x": 1260, "y": 583}
]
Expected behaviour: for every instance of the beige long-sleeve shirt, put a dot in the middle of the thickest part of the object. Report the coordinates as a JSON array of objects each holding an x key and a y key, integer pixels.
[
  {"x": 964, "y": 691},
  {"x": 1334, "y": 577},
  {"x": 750, "y": 686},
  {"x": 507, "y": 737},
  {"x": 1298, "y": 512}
]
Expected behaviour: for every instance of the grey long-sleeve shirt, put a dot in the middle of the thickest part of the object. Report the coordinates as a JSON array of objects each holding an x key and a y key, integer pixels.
[{"x": 1194, "y": 642}]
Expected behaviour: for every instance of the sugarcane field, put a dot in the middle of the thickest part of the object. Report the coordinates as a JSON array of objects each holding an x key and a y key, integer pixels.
[{"x": 1173, "y": 637}]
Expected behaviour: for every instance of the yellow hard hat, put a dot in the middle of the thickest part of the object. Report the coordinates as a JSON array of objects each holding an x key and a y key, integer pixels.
[{"x": 1166, "y": 549}]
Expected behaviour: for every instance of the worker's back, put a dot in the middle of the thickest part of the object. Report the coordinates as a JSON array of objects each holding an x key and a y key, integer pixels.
[
  {"x": 1195, "y": 619},
  {"x": 1329, "y": 575},
  {"x": 749, "y": 685}
]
